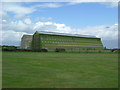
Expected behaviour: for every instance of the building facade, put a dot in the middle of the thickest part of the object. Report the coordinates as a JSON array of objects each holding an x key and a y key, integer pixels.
[
  {"x": 26, "y": 41},
  {"x": 70, "y": 42}
]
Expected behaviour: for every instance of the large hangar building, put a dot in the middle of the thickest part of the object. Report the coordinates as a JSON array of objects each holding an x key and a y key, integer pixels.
[{"x": 69, "y": 42}]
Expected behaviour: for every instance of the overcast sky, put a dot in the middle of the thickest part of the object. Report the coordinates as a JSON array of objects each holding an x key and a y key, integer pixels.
[{"x": 89, "y": 18}]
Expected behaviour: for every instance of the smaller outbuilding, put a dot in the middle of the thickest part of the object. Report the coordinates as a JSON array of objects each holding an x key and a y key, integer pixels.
[{"x": 26, "y": 41}]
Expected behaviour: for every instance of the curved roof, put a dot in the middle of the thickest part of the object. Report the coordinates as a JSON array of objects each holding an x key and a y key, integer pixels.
[{"x": 65, "y": 34}]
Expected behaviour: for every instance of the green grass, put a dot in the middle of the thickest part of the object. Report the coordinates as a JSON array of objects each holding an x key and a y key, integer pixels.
[{"x": 60, "y": 70}]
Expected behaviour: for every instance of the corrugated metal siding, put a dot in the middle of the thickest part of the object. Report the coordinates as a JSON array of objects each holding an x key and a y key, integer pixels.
[
  {"x": 26, "y": 42},
  {"x": 36, "y": 42},
  {"x": 50, "y": 41}
]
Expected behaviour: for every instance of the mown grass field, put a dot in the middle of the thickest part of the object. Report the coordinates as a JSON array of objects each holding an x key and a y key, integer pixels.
[{"x": 59, "y": 70}]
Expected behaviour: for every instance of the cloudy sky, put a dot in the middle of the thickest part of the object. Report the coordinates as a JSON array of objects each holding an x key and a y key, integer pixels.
[{"x": 90, "y": 18}]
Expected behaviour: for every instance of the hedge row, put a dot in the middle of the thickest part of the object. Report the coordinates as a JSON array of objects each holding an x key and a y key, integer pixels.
[{"x": 28, "y": 50}]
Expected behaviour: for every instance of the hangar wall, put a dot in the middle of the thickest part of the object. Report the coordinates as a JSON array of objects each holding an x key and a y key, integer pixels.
[
  {"x": 26, "y": 41},
  {"x": 69, "y": 43}
]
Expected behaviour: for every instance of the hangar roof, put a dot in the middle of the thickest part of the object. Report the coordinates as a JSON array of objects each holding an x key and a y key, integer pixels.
[
  {"x": 65, "y": 34},
  {"x": 27, "y": 36}
]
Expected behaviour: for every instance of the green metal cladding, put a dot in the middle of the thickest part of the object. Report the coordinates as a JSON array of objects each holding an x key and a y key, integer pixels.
[{"x": 52, "y": 41}]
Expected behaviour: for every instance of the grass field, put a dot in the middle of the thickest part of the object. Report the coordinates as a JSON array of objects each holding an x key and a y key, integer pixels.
[{"x": 60, "y": 70}]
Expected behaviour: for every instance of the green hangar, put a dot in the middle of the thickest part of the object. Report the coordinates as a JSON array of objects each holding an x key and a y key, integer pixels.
[{"x": 52, "y": 41}]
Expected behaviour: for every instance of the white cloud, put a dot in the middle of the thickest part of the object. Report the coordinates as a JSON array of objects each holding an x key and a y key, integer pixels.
[
  {"x": 108, "y": 33},
  {"x": 44, "y": 19},
  {"x": 19, "y": 26},
  {"x": 4, "y": 21},
  {"x": 116, "y": 24},
  {"x": 11, "y": 37},
  {"x": 107, "y": 3},
  {"x": 44, "y": 26},
  {"x": 60, "y": 0},
  {"x": 18, "y": 10},
  {"x": 22, "y": 0},
  {"x": 104, "y": 31},
  {"x": 3, "y": 16},
  {"x": 13, "y": 30},
  {"x": 51, "y": 26},
  {"x": 110, "y": 4},
  {"x": 27, "y": 21},
  {"x": 48, "y": 5}
]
